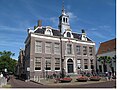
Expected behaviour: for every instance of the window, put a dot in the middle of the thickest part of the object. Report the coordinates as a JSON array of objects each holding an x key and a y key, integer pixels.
[
  {"x": 84, "y": 50},
  {"x": 69, "y": 49},
  {"x": 57, "y": 63},
  {"x": 68, "y": 34},
  {"x": 66, "y": 20},
  {"x": 85, "y": 61},
  {"x": 63, "y": 19},
  {"x": 78, "y": 50},
  {"x": 48, "y": 48},
  {"x": 48, "y": 63},
  {"x": 56, "y": 48},
  {"x": 78, "y": 63},
  {"x": 91, "y": 51},
  {"x": 86, "y": 66},
  {"x": 48, "y": 32},
  {"x": 37, "y": 63},
  {"x": 38, "y": 46},
  {"x": 92, "y": 66}
]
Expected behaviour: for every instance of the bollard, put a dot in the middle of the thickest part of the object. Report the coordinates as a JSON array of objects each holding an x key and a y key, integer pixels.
[
  {"x": 3, "y": 81},
  {"x": 34, "y": 78},
  {"x": 37, "y": 79}
]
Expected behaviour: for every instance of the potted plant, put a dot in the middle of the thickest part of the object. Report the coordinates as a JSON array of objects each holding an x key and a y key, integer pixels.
[
  {"x": 82, "y": 78},
  {"x": 95, "y": 78},
  {"x": 65, "y": 79}
]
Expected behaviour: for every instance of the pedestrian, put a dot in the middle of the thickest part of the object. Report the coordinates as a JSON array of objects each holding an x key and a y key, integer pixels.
[
  {"x": 1, "y": 75},
  {"x": 110, "y": 76},
  {"x": 106, "y": 76}
]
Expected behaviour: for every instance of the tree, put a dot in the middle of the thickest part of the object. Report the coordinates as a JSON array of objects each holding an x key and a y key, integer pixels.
[
  {"x": 6, "y": 61},
  {"x": 105, "y": 60}
]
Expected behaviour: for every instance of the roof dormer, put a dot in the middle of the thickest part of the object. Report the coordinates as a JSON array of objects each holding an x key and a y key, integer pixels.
[
  {"x": 68, "y": 33},
  {"x": 48, "y": 31},
  {"x": 84, "y": 37}
]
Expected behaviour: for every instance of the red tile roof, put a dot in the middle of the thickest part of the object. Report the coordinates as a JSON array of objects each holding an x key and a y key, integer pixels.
[{"x": 107, "y": 46}]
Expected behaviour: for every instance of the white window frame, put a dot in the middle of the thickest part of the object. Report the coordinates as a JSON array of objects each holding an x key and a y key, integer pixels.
[
  {"x": 84, "y": 50},
  {"x": 60, "y": 64},
  {"x": 37, "y": 46},
  {"x": 48, "y": 46},
  {"x": 78, "y": 49},
  {"x": 79, "y": 63},
  {"x": 70, "y": 48},
  {"x": 50, "y": 64},
  {"x": 57, "y": 48},
  {"x": 35, "y": 63},
  {"x": 91, "y": 51}
]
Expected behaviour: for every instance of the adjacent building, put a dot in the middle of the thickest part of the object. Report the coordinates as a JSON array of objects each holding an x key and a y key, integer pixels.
[
  {"x": 48, "y": 50},
  {"x": 107, "y": 48},
  {"x": 20, "y": 71}
]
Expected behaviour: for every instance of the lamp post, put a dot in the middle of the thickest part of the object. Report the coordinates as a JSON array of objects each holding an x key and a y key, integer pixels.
[
  {"x": 46, "y": 70},
  {"x": 62, "y": 60}
]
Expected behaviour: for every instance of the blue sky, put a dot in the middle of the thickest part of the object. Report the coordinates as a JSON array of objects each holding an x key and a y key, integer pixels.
[{"x": 97, "y": 17}]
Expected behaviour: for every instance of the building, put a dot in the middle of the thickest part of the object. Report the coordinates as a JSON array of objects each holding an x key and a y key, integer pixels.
[
  {"x": 107, "y": 48},
  {"x": 49, "y": 50},
  {"x": 21, "y": 64}
]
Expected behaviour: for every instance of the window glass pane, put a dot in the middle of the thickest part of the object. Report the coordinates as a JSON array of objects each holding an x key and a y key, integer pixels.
[
  {"x": 85, "y": 61},
  {"x": 66, "y": 20},
  {"x": 63, "y": 19},
  {"x": 48, "y": 63},
  {"x": 56, "y": 48},
  {"x": 91, "y": 51},
  {"x": 78, "y": 63},
  {"x": 48, "y": 48},
  {"x": 69, "y": 49},
  {"x": 37, "y": 63},
  {"x": 78, "y": 50},
  {"x": 57, "y": 63},
  {"x": 38, "y": 47},
  {"x": 84, "y": 50},
  {"x": 48, "y": 32},
  {"x": 86, "y": 66},
  {"x": 68, "y": 34}
]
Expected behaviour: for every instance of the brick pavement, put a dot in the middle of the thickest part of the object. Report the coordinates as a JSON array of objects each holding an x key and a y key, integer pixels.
[{"x": 16, "y": 83}]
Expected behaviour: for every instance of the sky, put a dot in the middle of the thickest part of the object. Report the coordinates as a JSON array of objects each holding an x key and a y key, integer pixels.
[{"x": 96, "y": 17}]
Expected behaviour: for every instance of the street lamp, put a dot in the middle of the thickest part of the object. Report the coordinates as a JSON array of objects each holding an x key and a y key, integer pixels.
[
  {"x": 46, "y": 70},
  {"x": 62, "y": 60}
]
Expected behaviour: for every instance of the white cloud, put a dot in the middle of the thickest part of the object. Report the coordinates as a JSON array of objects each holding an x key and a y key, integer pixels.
[
  {"x": 100, "y": 35},
  {"x": 104, "y": 26},
  {"x": 71, "y": 15},
  {"x": 54, "y": 21},
  {"x": 68, "y": 7},
  {"x": 7, "y": 28}
]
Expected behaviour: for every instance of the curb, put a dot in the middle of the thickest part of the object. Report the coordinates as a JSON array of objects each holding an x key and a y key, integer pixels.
[{"x": 37, "y": 82}]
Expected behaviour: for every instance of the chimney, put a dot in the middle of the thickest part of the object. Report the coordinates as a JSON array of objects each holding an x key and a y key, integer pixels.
[
  {"x": 35, "y": 27},
  {"x": 83, "y": 31},
  {"x": 84, "y": 38},
  {"x": 39, "y": 23}
]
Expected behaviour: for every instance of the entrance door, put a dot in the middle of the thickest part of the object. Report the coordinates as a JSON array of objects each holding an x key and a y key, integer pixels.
[{"x": 70, "y": 65}]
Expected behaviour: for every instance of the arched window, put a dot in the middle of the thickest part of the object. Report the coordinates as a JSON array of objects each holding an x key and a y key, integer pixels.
[
  {"x": 63, "y": 19},
  {"x": 68, "y": 34},
  {"x": 69, "y": 49},
  {"x": 66, "y": 20},
  {"x": 49, "y": 32}
]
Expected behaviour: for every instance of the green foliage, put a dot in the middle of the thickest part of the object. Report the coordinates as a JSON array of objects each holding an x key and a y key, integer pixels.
[
  {"x": 105, "y": 60},
  {"x": 6, "y": 61}
]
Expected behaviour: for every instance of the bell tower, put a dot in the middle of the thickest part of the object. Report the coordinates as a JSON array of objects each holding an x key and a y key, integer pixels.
[{"x": 63, "y": 21}]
